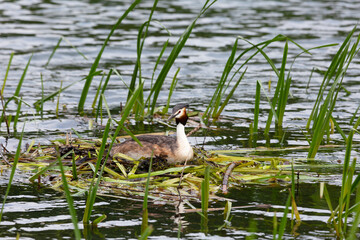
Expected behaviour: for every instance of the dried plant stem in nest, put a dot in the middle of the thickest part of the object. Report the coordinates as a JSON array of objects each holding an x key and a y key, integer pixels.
[{"x": 227, "y": 175}]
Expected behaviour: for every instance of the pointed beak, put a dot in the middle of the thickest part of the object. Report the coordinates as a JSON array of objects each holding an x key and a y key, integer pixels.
[{"x": 172, "y": 116}]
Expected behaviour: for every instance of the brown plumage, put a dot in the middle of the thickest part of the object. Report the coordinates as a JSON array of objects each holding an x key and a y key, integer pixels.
[{"x": 174, "y": 149}]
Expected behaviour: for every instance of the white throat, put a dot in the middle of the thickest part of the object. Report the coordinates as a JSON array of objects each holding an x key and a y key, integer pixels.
[
  {"x": 180, "y": 135},
  {"x": 184, "y": 148}
]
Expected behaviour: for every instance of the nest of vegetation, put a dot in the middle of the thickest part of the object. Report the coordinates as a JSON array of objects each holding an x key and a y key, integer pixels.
[{"x": 124, "y": 177}]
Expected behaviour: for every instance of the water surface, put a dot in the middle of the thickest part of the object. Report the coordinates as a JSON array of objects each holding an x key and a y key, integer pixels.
[{"x": 32, "y": 28}]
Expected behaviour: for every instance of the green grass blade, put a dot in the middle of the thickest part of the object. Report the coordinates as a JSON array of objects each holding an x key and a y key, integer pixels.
[
  {"x": 146, "y": 233},
  {"x": 155, "y": 91},
  {"x": 327, "y": 77},
  {"x": 18, "y": 112},
  {"x": 214, "y": 102},
  {"x": 13, "y": 168},
  {"x": 93, "y": 187},
  {"x": 205, "y": 192},
  {"x": 139, "y": 48},
  {"x": 158, "y": 61},
  {"x": 97, "y": 94},
  {"x": 18, "y": 88},
  {"x": 128, "y": 132},
  {"x": 279, "y": 92},
  {"x": 205, "y": 189},
  {"x": 256, "y": 113},
  {"x": 42, "y": 96},
  {"x": 355, "y": 224},
  {"x": 98, "y": 220},
  {"x": 7, "y": 72},
  {"x": 106, "y": 105},
  {"x": 58, "y": 100},
  {"x": 270, "y": 104},
  {"x": 69, "y": 199},
  {"x": 75, "y": 48},
  {"x": 74, "y": 171},
  {"x": 349, "y": 147},
  {"x": 338, "y": 128},
  {"x": 171, "y": 90},
  {"x": 144, "y": 224},
  {"x": 226, "y": 101},
  {"x": 51, "y": 96},
  {"x": 275, "y": 226},
  {"x": 284, "y": 89},
  {"x": 53, "y": 52},
  {"x": 271, "y": 63},
  {"x": 322, "y": 111},
  {"x": 283, "y": 222},
  {"x": 97, "y": 60}
]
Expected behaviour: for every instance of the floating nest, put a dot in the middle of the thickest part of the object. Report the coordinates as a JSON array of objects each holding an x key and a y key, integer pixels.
[{"x": 125, "y": 177}]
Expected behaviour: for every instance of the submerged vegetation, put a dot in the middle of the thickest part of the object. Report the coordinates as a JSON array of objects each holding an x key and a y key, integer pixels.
[{"x": 82, "y": 167}]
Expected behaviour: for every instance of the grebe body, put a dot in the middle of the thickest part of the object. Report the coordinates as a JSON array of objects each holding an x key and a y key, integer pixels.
[{"x": 173, "y": 149}]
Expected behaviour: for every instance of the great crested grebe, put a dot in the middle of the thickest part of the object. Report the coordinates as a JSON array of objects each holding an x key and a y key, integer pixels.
[{"x": 173, "y": 149}]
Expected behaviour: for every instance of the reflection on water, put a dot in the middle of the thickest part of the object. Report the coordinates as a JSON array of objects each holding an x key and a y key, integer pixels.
[
  {"x": 42, "y": 213},
  {"x": 34, "y": 27}
]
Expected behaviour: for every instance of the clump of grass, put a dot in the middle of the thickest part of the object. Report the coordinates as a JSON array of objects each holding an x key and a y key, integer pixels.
[
  {"x": 15, "y": 97},
  {"x": 97, "y": 60},
  {"x": 155, "y": 91},
  {"x": 339, "y": 216},
  {"x": 139, "y": 106},
  {"x": 324, "y": 106},
  {"x": 94, "y": 185},
  {"x": 216, "y": 106}
]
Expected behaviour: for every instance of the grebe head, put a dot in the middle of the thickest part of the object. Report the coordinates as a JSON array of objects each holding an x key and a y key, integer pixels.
[{"x": 179, "y": 113}]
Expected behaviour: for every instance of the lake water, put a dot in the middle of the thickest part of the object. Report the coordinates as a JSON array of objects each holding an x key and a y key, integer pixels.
[{"x": 34, "y": 27}]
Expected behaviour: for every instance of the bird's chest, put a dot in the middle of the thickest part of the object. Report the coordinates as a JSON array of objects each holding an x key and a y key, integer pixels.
[{"x": 184, "y": 151}]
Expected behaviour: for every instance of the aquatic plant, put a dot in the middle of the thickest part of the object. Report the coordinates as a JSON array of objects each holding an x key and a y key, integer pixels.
[
  {"x": 68, "y": 196},
  {"x": 96, "y": 177},
  {"x": 15, "y": 97},
  {"x": 155, "y": 91},
  {"x": 144, "y": 225},
  {"x": 217, "y": 104},
  {"x": 339, "y": 216},
  {"x": 13, "y": 169},
  {"x": 205, "y": 192},
  {"x": 97, "y": 60},
  {"x": 324, "y": 106}
]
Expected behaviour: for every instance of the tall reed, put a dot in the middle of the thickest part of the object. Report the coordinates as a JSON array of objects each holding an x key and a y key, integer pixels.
[
  {"x": 215, "y": 106},
  {"x": 102, "y": 157},
  {"x": 256, "y": 114},
  {"x": 18, "y": 88},
  {"x": 139, "y": 106},
  {"x": 205, "y": 192},
  {"x": 155, "y": 91},
  {"x": 69, "y": 198},
  {"x": 13, "y": 168},
  {"x": 339, "y": 216},
  {"x": 97, "y": 60},
  {"x": 7, "y": 73},
  {"x": 324, "y": 105},
  {"x": 145, "y": 215},
  {"x": 95, "y": 183}
]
